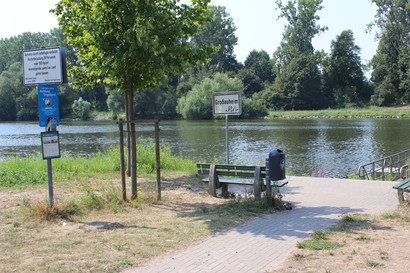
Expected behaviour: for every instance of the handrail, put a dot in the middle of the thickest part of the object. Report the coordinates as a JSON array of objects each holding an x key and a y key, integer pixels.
[{"x": 392, "y": 165}]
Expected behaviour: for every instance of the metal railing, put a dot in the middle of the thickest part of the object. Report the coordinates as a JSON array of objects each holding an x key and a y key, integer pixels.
[{"x": 392, "y": 167}]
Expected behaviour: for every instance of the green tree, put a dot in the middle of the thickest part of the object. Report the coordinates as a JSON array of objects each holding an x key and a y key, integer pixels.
[
  {"x": 219, "y": 33},
  {"x": 259, "y": 63},
  {"x": 156, "y": 102},
  {"x": 10, "y": 53},
  {"x": 198, "y": 102},
  {"x": 299, "y": 84},
  {"x": 270, "y": 98},
  {"x": 251, "y": 82},
  {"x": 301, "y": 28},
  {"x": 136, "y": 44},
  {"x": 115, "y": 102},
  {"x": 81, "y": 109},
  {"x": 344, "y": 81},
  {"x": 17, "y": 102},
  {"x": 11, "y": 48},
  {"x": 391, "y": 76},
  {"x": 257, "y": 73},
  {"x": 295, "y": 60}
]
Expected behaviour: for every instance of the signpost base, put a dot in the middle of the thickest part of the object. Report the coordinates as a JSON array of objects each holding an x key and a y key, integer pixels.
[{"x": 50, "y": 183}]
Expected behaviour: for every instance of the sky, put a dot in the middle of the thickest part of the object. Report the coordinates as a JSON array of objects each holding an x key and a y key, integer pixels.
[{"x": 256, "y": 22}]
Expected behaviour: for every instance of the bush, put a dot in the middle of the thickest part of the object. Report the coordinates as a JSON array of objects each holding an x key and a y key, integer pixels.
[
  {"x": 81, "y": 109},
  {"x": 198, "y": 102},
  {"x": 270, "y": 98},
  {"x": 115, "y": 102},
  {"x": 253, "y": 108}
]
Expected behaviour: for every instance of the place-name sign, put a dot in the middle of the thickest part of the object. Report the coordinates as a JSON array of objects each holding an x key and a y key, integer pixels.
[{"x": 227, "y": 103}]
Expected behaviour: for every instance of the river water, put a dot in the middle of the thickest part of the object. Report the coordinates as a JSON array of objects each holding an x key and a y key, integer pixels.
[{"x": 335, "y": 146}]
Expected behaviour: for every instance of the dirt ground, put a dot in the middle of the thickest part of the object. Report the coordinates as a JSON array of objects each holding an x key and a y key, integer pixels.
[
  {"x": 101, "y": 240},
  {"x": 382, "y": 245},
  {"x": 107, "y": 241}
]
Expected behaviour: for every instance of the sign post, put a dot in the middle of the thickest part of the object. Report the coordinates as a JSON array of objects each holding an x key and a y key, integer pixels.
[
  {"x": 226, "y": 104},
  {"x": 46, "y": 68}
]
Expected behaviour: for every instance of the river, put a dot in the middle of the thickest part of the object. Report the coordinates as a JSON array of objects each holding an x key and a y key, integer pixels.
[{"x": 335, "y": 146}]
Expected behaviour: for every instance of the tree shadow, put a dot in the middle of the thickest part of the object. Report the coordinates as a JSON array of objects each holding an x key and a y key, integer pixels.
[
  {"x": 111, "y": 225},
  {"x": 279, "y": 225}
]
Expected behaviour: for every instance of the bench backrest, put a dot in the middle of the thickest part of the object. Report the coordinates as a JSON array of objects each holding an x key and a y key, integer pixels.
[{"x": 231, "y": 170}]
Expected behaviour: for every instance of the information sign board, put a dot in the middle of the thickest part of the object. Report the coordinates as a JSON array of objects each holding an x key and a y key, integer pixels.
[
  {"x": 227, "y": 103},
  {"x": 43, "y": 66},
  {"x": 50, "y": 143},
  {"x": 48, "y": 104}
]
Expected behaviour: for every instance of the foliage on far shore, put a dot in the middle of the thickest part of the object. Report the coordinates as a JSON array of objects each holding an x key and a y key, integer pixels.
[
  {"x": 295, "y": 76},
  {"x": 369, "y": 112}
]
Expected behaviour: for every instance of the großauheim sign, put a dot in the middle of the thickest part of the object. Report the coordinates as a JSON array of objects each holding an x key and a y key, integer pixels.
[
  {"x": 43, "y": 66},
  {"x": 227, "y": 103}
]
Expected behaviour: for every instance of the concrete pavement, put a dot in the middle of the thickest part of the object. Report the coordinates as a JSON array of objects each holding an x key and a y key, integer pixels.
[{"x": 264, "y": 243}]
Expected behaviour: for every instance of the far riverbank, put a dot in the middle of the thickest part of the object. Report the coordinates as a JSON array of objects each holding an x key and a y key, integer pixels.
[{"x": 353, "y": 113}]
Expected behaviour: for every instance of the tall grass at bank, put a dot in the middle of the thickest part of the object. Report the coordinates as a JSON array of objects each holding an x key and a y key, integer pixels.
[
  {"x": 21, "y": 172},
  {"x": 344, "y": 112}
]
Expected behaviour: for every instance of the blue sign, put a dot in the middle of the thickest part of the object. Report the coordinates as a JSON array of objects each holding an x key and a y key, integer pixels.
[{"x": 48, "y": 111}]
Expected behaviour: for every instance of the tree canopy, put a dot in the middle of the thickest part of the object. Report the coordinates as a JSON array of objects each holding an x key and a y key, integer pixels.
[
  {"x": 344, "y": 81},
  {"x": 135, "y": 43},
  {"x": 219, "y": 33},
  {"x": 300, "y": 30},
  {"x": 298, "y": 79},
  {"x": 391, "y": 73}
]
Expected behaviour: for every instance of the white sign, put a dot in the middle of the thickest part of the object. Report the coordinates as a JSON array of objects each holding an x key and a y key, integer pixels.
[
  {"x": 50, "y": 142},
  {"x": 227, "y": 103},
  {"x": 43, "y": 66}
]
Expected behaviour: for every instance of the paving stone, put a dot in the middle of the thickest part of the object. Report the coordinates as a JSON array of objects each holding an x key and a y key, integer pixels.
[{"x": 264, "y": 243}]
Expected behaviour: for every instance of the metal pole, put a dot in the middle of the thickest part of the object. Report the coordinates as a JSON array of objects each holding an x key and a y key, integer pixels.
[
  {"x": 50, "y": 183},
  {"x": 268, "y": 185},
  {"x": 227, "y": 139},
  {"x": 158, "y": 160}
]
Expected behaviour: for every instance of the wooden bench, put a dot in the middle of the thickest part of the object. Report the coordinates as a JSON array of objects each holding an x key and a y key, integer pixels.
[
  {"x": 403, "y": 186},
  {"x": 222, "y": 175}
]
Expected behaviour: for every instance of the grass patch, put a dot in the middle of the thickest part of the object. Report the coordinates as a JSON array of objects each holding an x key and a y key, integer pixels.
[
  {"x": 401, "y": 214},
  {"x": 319, "y": 241},
  {"x": 363, "y": 238},
  {"x": 344, "y": 113},
  {"x": 43, "y": 212},
  {"x": 298, "y": 257},
  {"x": 21, "y": 172},
  {"x": 352, "y": 222},
  {"x": 373, "y": 264}
]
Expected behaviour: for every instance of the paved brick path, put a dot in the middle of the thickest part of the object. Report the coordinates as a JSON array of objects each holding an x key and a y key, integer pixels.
[{"x": 264, "y": 243}]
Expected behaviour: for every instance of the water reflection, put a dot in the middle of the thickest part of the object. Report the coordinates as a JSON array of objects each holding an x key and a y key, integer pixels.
[{"x": 336, "y": 146}]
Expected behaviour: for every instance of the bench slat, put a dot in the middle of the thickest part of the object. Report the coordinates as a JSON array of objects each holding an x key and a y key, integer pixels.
[
  {"x": 206, "y": 166},
  {"x": 405, "y": 184},
  {"x": 242, "y": 181},
  {"x": 232, "y": 173}
]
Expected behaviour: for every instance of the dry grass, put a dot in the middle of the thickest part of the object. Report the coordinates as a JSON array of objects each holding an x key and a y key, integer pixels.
[
  {"x": 77, "y": 237},
  {"x": 367, "y": 244}
]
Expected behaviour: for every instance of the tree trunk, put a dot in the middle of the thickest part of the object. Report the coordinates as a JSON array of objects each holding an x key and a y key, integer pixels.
[{"x": 132, "y": 149}]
